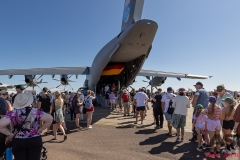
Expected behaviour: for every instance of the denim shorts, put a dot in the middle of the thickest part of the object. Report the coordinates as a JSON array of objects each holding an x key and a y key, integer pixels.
[{"x": 168, "y": 117}]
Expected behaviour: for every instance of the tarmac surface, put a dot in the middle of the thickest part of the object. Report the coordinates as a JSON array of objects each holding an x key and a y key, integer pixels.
[{"x": 115, "y": 137}]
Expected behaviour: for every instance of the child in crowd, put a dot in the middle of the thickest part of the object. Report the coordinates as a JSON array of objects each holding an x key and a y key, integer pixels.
[
  {"x": 228, "y": 124},
  {"x": 200, "y": 125},
  {"x": 214, "y": 127},
  {"x": 112, "y": 99}
]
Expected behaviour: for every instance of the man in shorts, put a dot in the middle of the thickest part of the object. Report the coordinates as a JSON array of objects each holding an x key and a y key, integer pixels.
[
  {"x": 141, "y": 100},
  {"x": 165, "y": 105}
]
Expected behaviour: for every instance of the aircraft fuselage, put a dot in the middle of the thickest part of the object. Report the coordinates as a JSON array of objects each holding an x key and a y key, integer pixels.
[{"x": 129, "y": 49}]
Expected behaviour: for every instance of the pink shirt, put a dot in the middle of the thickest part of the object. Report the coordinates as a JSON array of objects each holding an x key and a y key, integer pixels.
[
  {"x": 112, "y": 96},
  {"x": 217, "y": 112},
  {"x": 200, "y": 120}
]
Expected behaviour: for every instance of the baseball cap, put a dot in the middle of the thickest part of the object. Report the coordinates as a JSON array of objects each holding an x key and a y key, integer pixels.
[
  {"x": 220, "y": 88},
  {"x": 79, "y": 92},
  {"x": 45, "y": 89},
  {"x": 20, "y": 87},
  {"x": 212, "y": 99},
  {"x": 228, "y": 99},
  {"x": 169, "y": 89},
  {"x": 198, "y": 83},
  {"x": 199, "y": 107}
]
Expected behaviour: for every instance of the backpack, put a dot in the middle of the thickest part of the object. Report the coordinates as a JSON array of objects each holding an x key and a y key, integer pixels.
[
  {"x": 170, "y": 108},
  {"x": 88, "y": 102},
  {"x": 125, "y": 97}
]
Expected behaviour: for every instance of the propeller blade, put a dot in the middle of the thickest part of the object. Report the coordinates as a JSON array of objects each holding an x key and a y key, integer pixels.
[
  {"x": 145, "y": 81},
  {"x": 40, "y": 77},
  {"x": 148, "y": 77},
  {"x": 27, "y": 87},
  {"x": 71, "y": 81},
  {"x": 179, "y": 78},
  {"x": 56, "y": 80},
  {"x": 70, "y": 76},
  {"x": 70, "y": 86},
  {"x": 38, "y": 87},
  {"x": 59, "y": 86}
]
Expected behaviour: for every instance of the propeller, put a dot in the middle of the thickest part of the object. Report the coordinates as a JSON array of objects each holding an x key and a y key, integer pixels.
[
  {"x": 150, "y": 84},
  {"x": 59, "y": 86},
  {"x": 56, "y": 80}
]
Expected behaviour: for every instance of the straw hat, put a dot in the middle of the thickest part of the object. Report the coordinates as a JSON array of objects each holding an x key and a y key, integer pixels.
[{"x": 23, "y": 100}]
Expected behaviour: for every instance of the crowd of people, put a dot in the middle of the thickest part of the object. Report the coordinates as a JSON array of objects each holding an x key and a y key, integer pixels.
[
  {"x": 214, "y": 113},
  {"x": 24, "y": 116}
]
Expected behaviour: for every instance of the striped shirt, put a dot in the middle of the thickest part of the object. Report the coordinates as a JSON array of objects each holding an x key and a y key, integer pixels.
[{"x": 217, "y": 112}]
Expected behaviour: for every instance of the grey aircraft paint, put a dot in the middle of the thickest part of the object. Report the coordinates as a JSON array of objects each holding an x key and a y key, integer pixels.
[{"x": 134, "y": 41}]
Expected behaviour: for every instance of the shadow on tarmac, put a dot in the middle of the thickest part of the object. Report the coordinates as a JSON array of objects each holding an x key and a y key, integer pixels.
[{"x": 186, "y": 149}]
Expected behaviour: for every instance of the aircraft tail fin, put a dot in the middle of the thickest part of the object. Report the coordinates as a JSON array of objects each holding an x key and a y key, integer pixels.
[{"x": 132, "y": 12}]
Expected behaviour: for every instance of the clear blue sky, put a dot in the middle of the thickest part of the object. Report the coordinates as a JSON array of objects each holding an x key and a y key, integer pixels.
[{"x": 196, "y": 37}]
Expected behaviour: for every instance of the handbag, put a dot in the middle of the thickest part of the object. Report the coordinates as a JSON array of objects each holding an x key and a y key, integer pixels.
[
  {"x": 84, "y": 111},
  {"x": 9, "y": 144}
]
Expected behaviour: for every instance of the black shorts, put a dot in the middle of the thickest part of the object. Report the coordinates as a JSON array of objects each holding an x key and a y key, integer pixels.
[
  {"x": 2, "y": 144},
  {"x": 141, "y": 108},
  {"x": 228, "y": 124}
]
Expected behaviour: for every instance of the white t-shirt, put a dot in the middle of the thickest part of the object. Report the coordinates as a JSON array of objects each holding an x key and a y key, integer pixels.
[
  {"x": 141, "y": 98},
  {"x": 81, "y": 98},
  {"x": 166, "y": 98},
  {"x": 181, "y": 103}
]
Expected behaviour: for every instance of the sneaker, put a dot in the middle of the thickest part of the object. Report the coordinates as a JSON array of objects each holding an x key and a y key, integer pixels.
[
  {"x": 89, "y": 127},
  {"x": 200, "y": 148},
  {"x": 209, "y": 155},
  {"x": 205, "y": 145},
  {"x": 226, "y": 151},
  {"x": 233, "y": 151}
]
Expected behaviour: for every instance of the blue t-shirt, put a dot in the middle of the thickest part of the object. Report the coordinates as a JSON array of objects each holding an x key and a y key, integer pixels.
[{"x": 203, "y": 96}]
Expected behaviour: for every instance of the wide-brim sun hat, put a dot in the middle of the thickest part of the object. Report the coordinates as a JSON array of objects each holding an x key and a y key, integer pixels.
[{"x": 23, "y": 100}]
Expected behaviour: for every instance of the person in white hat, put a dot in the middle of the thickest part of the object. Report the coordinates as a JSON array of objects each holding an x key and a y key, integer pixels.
[{"x": 27, "y": 143}]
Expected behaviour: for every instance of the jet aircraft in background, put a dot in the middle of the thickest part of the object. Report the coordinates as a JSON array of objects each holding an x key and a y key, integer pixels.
[
  {"x": 121, "y": 59},
  {"x": 6, "y": 86}
]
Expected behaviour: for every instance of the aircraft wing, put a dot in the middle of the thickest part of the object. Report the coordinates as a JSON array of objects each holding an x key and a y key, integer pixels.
[
  {"x": 47, "y": 71},
  {"x": 170, "y": 74}
]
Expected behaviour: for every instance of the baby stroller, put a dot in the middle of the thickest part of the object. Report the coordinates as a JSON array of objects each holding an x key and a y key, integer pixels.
[{"x": 43, "y": 154}]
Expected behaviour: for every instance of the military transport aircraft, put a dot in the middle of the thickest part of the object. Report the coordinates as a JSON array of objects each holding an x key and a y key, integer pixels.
[{"x": 121, "y": 59}]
